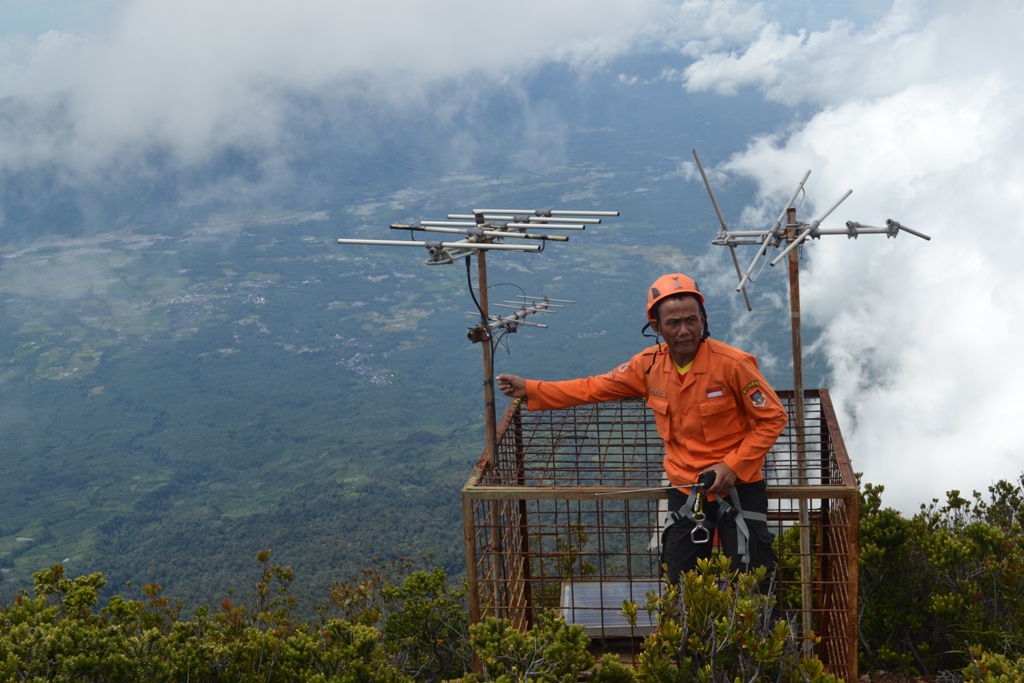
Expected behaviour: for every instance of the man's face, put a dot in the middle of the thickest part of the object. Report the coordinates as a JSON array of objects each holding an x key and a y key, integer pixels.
[{"x": 680, "y": 323}]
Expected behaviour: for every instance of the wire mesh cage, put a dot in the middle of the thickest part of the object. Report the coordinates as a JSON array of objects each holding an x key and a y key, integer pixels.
[{"x": 538, "y": 537}]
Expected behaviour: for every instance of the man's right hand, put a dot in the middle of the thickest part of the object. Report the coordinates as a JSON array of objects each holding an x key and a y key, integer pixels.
[{"x": 512, "y": 386}]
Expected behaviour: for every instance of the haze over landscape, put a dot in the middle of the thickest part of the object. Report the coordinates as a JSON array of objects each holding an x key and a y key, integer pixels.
[{"x": 194, "y": 370}]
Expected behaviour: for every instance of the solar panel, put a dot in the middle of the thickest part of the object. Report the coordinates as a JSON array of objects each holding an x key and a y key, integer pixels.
[{"x": 598, "y": 606}]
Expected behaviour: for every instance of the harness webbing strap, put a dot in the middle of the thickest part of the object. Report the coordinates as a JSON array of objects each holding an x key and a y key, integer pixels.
[
  {"x": 686, "y": 512},
  {"x": 743, "y": 532},
  {"x": 743, "y": 535}
]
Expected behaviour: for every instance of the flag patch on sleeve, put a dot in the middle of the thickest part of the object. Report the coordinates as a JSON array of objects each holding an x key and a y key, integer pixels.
[{"x": 714, "y": 392}]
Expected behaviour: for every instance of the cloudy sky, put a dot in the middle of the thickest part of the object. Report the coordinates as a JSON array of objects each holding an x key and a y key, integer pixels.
[{"x": 914, "y": 105}]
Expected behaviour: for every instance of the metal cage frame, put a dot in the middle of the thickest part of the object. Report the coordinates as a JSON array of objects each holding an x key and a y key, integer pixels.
[{"x": 537, "y": 537}]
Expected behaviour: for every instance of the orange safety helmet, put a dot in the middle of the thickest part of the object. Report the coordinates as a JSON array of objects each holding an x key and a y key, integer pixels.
[{"x": 668, "y": 285}]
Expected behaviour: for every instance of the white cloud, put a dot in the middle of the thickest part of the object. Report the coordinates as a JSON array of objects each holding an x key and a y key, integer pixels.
[
  {"x": 191, "y": 75},
  {"x": 915, "y": 42},
  {"x": 702, "y": 25},
  {"x": 922, "y": 338}
]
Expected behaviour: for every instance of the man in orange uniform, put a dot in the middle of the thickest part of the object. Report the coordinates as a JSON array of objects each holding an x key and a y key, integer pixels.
[{"x": 715, "y": 412}]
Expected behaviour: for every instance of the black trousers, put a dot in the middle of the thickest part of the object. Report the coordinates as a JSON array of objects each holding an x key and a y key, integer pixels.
[{"x": 680, "y": 553}]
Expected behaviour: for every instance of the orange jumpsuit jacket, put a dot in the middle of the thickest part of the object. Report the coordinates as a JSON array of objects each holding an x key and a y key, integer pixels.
[{"x": 722, "y": 411}]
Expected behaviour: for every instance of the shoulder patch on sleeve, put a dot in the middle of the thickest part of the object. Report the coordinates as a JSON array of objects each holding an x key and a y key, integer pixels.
[
  {"x": 758, "y": 399},
  {"x": 750, "y": 385},
  {"x": 622, "y": 368}
]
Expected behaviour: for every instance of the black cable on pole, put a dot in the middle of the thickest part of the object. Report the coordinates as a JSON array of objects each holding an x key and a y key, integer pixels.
[
  {"x": 483, "y": 319},
  {"x": 504, "y": 334},
  {"x": 508, "y": 284},
  {"x": 469, "y": 281},
  {"x": 498, "y": 342}
]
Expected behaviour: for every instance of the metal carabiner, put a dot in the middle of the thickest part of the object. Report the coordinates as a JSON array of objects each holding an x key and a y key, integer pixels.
[{"x": 698, "y": 519}]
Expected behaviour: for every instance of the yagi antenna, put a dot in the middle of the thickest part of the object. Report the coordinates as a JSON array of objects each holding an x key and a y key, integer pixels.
[
  {"x": 773, "y": 237},
  {"x": 479, "y": 232},
  {"x": 531, "y": 305},
  {"x": 794, "y": 233}
]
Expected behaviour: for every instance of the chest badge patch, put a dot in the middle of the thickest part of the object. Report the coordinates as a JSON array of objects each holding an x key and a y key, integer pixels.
[
  {"x": 758, "y": 399},
  {"x": 714, "y": 392}
]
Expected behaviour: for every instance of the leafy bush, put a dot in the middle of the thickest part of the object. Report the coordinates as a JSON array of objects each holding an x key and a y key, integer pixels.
[
  {"x": 716, "y": 626},
  {"x": 397, "y": 631},
  {"x": 986, "y": 667},
  {"x": 551, "y": 651},
  {"x": 423, "y": 620},
  {"x": 611, "y": 670},
  {"x": 951, "y": 574}
]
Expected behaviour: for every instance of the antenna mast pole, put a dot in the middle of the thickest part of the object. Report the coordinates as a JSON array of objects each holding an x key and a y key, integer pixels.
[
  {"x": 806, "y": 599},
  {"x": 489, "y": 410}
]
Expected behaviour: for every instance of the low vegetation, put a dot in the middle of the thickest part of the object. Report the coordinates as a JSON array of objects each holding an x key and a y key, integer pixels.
[
  {"x": 934, "y": 586},
  {"x": 390, "y": 625},
  {"x": 940, "y": 591}
]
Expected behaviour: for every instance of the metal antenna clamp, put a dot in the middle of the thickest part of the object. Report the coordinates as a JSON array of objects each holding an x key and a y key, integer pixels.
[{"x": 438, "y": 254}]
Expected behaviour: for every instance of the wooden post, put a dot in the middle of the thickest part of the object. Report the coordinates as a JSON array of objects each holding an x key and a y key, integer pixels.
[
  {"x": 469, "y": 541},
  {"x": 524, "y": 526},
  {"x": 489, "y": 416},
  {"x": 806, "y": 595},
  {"x": 491, "y": 425},
  {"x": 853, "y": 560}
]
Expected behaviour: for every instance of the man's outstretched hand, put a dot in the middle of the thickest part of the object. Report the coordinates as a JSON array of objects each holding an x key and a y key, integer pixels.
[{"x": 512, "y": 386}]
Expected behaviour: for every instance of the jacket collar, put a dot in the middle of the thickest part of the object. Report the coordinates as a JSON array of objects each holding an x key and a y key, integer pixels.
[
  {"x": 701, "y": 364},
  {"x": 702, "y": 361}
]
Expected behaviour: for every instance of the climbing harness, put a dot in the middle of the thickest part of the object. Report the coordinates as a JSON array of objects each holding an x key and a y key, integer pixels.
[{"x": 693, "y": 509}]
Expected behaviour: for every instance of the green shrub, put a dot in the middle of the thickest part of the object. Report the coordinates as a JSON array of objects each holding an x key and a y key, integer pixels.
[
  {"x": 953, "y": 573},
  {"x": 611, "y": 670},
  {"x": 987, "y": 667},
  {"x": 58, "y": 635},
  {"x": 716, "y": 626},
  {"x": 424, "y": 621},
  {"x": 427, "y": 635},
  {"x": 550, "y": 652}
]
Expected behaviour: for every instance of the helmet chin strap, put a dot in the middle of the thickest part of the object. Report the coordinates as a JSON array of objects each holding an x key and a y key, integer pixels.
[
  {"x": 654, "y": 357},
  {"x": 657, "y": 340}
]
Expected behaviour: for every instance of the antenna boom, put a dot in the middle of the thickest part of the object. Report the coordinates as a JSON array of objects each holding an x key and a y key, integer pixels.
[{"x": 478, "y": 246}]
